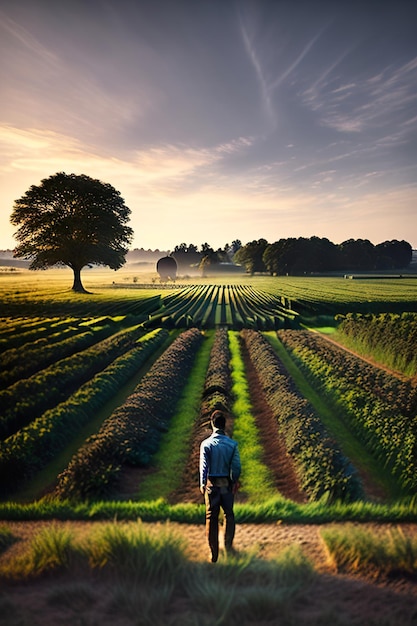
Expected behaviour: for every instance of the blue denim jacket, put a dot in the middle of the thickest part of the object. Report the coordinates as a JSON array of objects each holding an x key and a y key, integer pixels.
[{"x": 219, "y": 456}]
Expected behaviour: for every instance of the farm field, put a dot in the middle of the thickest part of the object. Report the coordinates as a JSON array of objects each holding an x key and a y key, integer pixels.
[{"x": 106, "y": 396}]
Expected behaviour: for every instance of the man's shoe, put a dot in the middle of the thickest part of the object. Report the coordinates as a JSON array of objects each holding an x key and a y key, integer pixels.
[{"x": 212, "y": 558}]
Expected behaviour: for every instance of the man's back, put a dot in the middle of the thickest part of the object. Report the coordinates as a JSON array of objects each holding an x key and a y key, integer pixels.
[{"x": 219, "y": 457}]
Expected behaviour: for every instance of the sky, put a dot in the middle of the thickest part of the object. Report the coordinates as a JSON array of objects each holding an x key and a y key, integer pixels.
[{"x": 217, "y": 120}]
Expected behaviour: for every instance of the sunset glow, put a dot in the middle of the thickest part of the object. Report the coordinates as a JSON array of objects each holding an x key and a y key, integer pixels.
[{"x": 217, "y": 120}]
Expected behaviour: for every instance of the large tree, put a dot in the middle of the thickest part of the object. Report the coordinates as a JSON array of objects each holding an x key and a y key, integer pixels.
[{"x": 72, "y": 220}]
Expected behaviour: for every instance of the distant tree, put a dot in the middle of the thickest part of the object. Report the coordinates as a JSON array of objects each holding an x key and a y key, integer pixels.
[
  {"x": 235, "y": 245},
  {"x": 205, "y": 264},
  {"x": 186, "y": 255},
  {"x": 72, "y": 220},
  {"x": 394, "y": 254},
  {"x": 208, "y": 260},
  {"x": 358, "y": 254},
  {"x": 251, "y": 256},
  {"x": 205, "y": 249}
]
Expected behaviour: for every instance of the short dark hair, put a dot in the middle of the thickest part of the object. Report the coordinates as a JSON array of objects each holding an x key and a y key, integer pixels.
[{"x": 218, "y": 419}]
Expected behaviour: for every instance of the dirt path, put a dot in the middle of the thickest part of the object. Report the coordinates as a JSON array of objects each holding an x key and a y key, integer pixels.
[{"x": 360, "y": 598}]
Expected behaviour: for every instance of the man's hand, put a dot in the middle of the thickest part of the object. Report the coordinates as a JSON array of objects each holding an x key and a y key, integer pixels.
[
  {"x": 203, "y": 489},
  {"x": 235, "y": 487}
]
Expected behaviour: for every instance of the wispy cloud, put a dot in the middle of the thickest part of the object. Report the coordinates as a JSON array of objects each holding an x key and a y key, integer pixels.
[
  {"x": 371, "y": 103},
  {"x": 262, "y": 56},
  {"x": 25, "y": 38},
  {"x": 306, "y": 49},
  {"x": 257, "y": 65}
]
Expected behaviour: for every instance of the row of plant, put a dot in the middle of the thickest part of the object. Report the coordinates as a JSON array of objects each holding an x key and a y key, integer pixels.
[
  {"x": 217, "y": 385},
  {"x": 131, "y": 435},
  {"x": 216, "y": 394},
  {"x": 313, "y": 296},
  {"x": 28, "y": 398},
  {"x": 32, "y": 447},
  {"x": 379, "y": 409},
  {"x": 15, "y": 331},
  {"x": 173, "y": 474},
  {"x": 322, "y": 468},
  {"x": 31, "y": 358},
  {"x": 49, "y": 303},
  {"x": 390, "y": 338},
  {"x": 235, "y": 306}
]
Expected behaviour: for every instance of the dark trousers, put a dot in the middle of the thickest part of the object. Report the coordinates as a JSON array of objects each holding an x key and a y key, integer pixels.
[{"x": 216, "y": 497}]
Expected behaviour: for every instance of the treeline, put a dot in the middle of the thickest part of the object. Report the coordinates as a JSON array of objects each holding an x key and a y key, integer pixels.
[
  {"x": 297, "y": 255},
  {"x": 315, "y": 254}
]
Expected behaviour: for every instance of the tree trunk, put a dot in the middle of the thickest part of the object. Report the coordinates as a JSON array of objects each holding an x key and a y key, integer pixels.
[{"x": 78, "y": 286}]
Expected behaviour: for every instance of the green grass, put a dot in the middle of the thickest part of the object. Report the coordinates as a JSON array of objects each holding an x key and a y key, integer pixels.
[
  {"x": 39, "y": 292},
  {"x": 276, "y": 509},
  {"x": 257, "y": 482},
  {"x": 152, "y": 556}
]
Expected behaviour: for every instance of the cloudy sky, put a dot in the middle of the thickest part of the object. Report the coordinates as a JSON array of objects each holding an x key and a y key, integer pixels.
[{"x": 217, "y": 119}]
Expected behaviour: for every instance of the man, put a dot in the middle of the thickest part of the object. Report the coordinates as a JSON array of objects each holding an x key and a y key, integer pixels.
[{"x": 219, "y": 473}]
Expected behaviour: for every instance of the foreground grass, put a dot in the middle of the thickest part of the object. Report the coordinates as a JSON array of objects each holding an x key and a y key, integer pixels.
[
  {"x": 354, "y": 549},
  {"x": 149, "y": 571},
  {"x": 142, "y": 575}
]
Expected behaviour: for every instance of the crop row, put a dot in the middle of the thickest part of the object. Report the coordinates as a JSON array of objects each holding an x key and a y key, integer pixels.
[
  {"x": 49, "y": 305},
  {"x": 80, "y": 385},
  {"x": 390, "y": 337},
  {"x": 378, "y": 408},
  {"x": 25, "y": 361},
  {"x": 217, "y": 386},
  {"x": 28, "y": 398},
  {"x": 234, "y": 306},
  {"x": 131, "y": 435},
  {"x": 16, "y": 330},
  {"x": 323, "y": 469},
  {"x": 33, "y": 446},
  {"x": 216, "y": 395},
  {"x": 325, "y": 295}
]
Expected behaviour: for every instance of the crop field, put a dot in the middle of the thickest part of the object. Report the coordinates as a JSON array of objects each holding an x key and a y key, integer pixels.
[
  {"x": 94, "y": 387},
  {"x": 105, "y": 398}
]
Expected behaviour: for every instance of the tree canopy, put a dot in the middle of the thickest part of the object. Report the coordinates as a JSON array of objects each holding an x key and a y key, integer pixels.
[
  {"x": 72, "y": 220},
  {"x": 298, "y": 255}
]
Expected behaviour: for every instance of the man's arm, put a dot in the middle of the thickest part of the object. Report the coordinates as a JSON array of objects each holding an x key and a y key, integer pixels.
[{"x": 204, "y": 466}]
